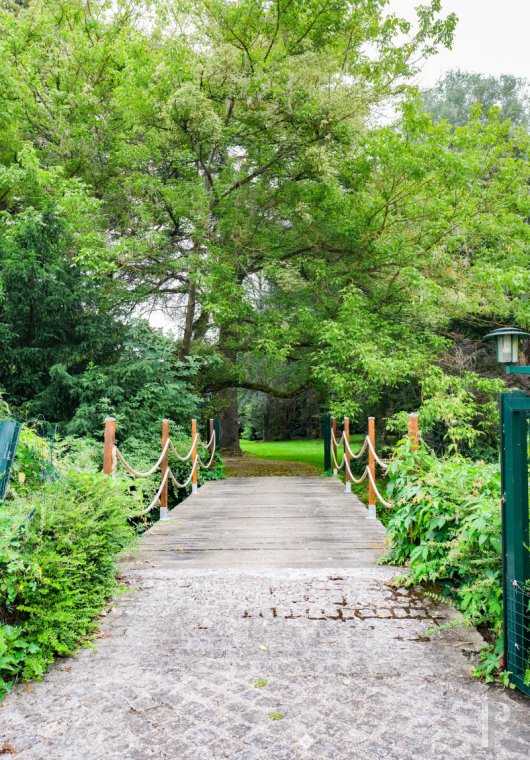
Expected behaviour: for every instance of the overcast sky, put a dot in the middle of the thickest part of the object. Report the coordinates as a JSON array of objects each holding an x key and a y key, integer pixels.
[{"x": 492, "y": 37}]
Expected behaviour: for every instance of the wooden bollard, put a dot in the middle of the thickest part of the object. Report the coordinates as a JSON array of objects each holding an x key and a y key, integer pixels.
[
  {"x": 414, "y": 432},
  {"x": 372, "y": 513},
  {"x": 347, "y": 484},
  {"x": 194, "y": 463},
  {"x": 163, "y": 470},
  {"x": 333, "y": 444},
  {"x": 108, "y": 445}
]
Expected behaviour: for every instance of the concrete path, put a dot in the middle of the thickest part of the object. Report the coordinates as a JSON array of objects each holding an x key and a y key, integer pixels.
[{"x": 258, "y": 625}]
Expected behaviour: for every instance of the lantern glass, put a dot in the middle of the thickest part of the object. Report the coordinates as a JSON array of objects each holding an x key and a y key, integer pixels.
[{"x": 507, "y": 349}]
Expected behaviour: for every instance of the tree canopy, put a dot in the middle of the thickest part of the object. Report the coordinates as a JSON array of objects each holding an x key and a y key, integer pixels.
[{"x": 226, "y": 162}]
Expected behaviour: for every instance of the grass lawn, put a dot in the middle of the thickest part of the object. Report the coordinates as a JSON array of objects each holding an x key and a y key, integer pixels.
[{"x": 308, "y": 451}]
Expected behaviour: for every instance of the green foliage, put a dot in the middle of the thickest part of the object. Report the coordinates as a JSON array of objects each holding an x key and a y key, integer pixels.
[
  {"x": 143, "y": 385},
  {"x": 52, "y": 309},
  {"x": 219, "y": 174},
  {"x": 209, "y": 153},
  {"x": 32, "y": 462},
  {"x": 59, "y": 540},
  {"x": 491, "y": 664},
  {"x": 266, "y": 418},
  {"x": 458, "y": 413},
  {"x": 58, "y": 549},
  {"x": 446, "y": 524},
  {"x": 421, "y": 210}
]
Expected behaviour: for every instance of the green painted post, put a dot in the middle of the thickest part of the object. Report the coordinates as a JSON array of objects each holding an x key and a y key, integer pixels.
[
  {"x": 9, "y": 433},
  {"x": 516, "y": 561},
  {"x": 326, "y": 433},
  {"x": 217, "y": 428}
]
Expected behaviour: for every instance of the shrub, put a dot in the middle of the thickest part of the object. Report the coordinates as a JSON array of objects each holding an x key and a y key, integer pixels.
[
  {"x": 447, "y": 525},
  {"x": 458, "y": 414},
  {"x": 58, "y": 550}
]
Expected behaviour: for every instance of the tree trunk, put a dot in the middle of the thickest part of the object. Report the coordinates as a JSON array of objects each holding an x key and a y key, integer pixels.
[
  {"x": 190, "y": 316},
  {"x": 230, "y": 424},
  {"x": 230, "y": 415}
]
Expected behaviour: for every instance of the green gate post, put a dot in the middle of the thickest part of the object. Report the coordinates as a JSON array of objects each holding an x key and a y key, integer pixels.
[
  {"x": 9, "y": 433},
  {"x": 516, "y": 558},
  {"x": 217, "y": 428},
  {"x": 326, "y": 432}
]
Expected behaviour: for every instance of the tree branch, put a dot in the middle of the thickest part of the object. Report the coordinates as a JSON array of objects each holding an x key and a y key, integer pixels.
[{"x": 250, "y": 386}]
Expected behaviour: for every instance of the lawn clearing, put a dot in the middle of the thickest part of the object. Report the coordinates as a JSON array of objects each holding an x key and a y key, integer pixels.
[{"x": 308, "y": 451}]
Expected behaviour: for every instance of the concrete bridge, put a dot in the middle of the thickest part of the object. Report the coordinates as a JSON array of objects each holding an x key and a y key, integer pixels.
[{"x": 258, "y": 624}]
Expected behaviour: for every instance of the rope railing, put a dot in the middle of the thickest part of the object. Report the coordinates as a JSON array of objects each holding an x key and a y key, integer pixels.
[
  {"x": 158, "y": 495},
  {"x": 206, "y": 465},
  {"x": 371, "y": 478},
  {"x": 374, "y": 460},
  {"x": 112, "y": 456},
  {"x": 210, "y": 442},
  {"x": 188, "y": 481},
  {"x": 361, "y": 451},
  {"x": 137, "y": 473},
  {"x": 188, "y": 455},
  {"x": 383, "y": 465}
]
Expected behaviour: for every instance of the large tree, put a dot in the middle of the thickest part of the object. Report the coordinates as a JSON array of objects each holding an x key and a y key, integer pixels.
[
  {"x": 203, "y": 127},
  {"x": 244, "y": 184},
  {"x": 270, "y": 102}
]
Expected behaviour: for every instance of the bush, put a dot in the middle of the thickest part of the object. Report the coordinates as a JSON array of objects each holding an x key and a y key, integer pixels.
[
  {"x": 458, "y": 414},
  {"x": 58, "y": 551},
  {"x": 446, "y": 524}
]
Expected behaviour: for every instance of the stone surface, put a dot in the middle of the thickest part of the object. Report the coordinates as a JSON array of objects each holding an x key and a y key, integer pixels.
[{"x": 257, "y": 624}]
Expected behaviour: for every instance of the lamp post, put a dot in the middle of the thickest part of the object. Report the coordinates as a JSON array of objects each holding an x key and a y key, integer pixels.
[
  {"x": 507, "y": 345},
  {"x": 514, "y": 412}
]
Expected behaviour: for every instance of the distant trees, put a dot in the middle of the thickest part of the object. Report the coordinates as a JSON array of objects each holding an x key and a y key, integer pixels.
[{"x": 455, "y": 95}]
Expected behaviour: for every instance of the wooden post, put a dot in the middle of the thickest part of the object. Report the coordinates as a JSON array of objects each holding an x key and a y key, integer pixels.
[
  {"x": 371, "y": 466},
  {"x": 414, "y": 432},
  {"x": 163, "y": 470},
  {"x": 108, "y": 446},
  {"x": 333, "y": 444},
  {"x": 211, "y": 431},
  {"x": 194, "y": 464},
  {"x": 347, "y": 485}
]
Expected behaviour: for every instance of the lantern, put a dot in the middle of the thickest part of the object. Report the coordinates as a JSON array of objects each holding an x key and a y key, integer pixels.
[{"x": 507, "y": 343}]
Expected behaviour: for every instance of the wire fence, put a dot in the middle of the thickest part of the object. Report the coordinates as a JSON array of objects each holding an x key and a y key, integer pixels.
[
  {"x": 10, "y": 431},
  {"x": 518, "y": 632}
]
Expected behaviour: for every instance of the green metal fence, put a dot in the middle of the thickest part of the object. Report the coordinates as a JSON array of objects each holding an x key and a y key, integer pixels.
[{"x": 515, "y": 409}]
